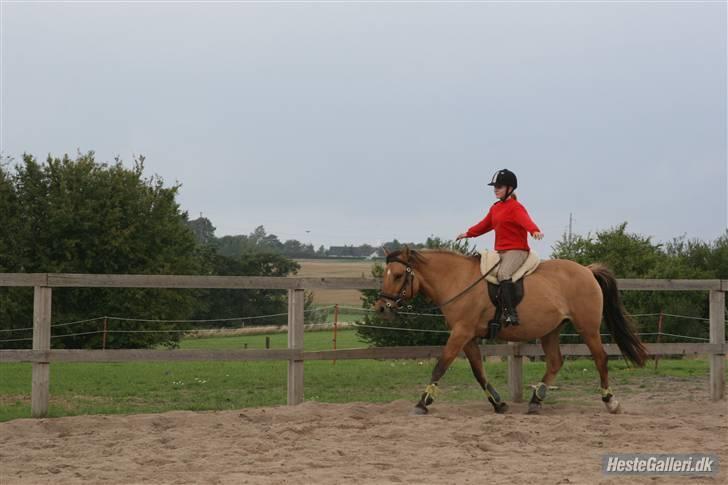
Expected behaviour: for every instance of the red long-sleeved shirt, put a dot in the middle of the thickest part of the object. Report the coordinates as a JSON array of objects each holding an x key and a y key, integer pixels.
[{"x": 511, "y": 223}]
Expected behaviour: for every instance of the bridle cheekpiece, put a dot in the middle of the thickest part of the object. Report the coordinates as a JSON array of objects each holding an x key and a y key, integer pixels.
[{"x": 401, "y": 295}]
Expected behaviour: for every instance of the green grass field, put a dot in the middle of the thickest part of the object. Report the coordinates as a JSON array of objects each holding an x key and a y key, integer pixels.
[
  {"x": 139, "y": 387},
  {"x": 320, "y": 340}
]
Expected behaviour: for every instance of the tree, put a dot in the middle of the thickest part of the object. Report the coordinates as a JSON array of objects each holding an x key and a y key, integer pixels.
[
  {"x": 203, "y": 230},
  {"x": 256, "y": 241},
  {"x": 215, "y": 304},
  {"x": 631, "y": 255},
  {"x": 628, "y": 255},
  {"x": 266, "y": 242},
  {"x": 256, "y": 259},
  {"x": 80, "y": 216},
  {"x": 9, "y": 222},
  {"x": 295, "y": 249},
  {"x": 13, "y": 301}
]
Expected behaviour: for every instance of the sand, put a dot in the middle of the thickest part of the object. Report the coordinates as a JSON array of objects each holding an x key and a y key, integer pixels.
[{"x": 366, "y": 443}]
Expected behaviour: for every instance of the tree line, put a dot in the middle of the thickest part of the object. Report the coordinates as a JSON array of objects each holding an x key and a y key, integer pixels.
[
  {"x": 259, "y": 239},
  {"x": 75, "y": 215},
  {"x": 628, "y": 254}
]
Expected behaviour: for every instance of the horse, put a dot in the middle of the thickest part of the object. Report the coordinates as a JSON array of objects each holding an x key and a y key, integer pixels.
[{"x": 558, "y": 291}]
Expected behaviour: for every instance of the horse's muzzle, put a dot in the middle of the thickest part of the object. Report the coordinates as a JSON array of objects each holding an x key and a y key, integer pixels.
[{"x": 385, "y": 309}]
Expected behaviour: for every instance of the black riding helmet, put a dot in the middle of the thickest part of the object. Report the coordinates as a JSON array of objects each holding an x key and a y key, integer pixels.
[
  {"x": 504, "y": 177},
  {"x": 507, "y": 178}
]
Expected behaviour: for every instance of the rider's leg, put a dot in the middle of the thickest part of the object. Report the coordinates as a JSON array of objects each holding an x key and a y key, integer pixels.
[{"x": 509, "y": 263}]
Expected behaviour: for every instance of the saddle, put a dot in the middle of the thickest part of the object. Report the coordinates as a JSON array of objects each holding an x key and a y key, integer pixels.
[{"x": 488, "y": 261}]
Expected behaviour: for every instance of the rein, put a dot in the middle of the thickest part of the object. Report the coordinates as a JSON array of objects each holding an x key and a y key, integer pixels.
[
  {"x": 466, "y": 289},
  {"x": 400, "y": 295}
]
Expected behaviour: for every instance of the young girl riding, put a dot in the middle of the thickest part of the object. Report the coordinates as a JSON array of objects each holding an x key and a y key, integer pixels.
[{"x": 512, "y": 224}]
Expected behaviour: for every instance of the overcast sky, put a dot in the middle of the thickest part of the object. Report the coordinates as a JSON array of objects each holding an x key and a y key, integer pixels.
[{"x": 365, "y": 122}]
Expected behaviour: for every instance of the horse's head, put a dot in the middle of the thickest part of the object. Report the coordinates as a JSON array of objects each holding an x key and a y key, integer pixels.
[{"x": 399, "y": 283}]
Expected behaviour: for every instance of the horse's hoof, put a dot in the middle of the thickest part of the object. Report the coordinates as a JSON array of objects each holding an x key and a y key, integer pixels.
[
  {"x": 419, "y": 411},
  {"x": 534, "y": 408},
  {"x": 501, "y": 408},
  {"x": 613, "y": 406}
]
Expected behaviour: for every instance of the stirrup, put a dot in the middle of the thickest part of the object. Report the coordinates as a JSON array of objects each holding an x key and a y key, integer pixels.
[{"x": 511, "y": 319}]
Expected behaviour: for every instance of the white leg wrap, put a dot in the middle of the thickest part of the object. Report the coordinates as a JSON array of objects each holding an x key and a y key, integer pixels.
[{"x": 613, "y": 406}]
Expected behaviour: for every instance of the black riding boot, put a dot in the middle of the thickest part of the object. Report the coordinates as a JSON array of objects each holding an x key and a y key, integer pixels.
[
  {"x": 494, "y": 325},
  {"x": 508, "y": 296}
]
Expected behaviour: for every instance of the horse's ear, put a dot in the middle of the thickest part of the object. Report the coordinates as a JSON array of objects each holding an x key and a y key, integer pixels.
[{"x": 386, "y": 253}]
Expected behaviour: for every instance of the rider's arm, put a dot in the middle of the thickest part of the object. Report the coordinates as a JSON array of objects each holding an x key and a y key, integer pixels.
[
  {"x": 482, "y": 227},
  {"x": 520, "y": 215}
]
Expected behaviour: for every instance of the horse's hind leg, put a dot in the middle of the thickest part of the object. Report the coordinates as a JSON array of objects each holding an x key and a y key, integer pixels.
[
  {"x": 554, "y": 360},
  {"x": 593, "y": 340},
  {"x": 472, "y": 352},
  {"x": 455, "y": 343}
]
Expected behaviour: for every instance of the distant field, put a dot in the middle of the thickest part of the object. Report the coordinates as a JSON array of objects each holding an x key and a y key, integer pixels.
[{"x": 337, "y": 267}]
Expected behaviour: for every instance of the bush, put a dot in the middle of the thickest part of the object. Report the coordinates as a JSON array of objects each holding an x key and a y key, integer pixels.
[{"x": 632, "y": 255}]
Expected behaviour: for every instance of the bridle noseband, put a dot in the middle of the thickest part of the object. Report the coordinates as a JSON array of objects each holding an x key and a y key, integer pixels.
[{"x": 401, "y": 294}]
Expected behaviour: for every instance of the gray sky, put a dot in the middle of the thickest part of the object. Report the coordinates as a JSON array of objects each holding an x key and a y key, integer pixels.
[{"x": 366, "y": 122}]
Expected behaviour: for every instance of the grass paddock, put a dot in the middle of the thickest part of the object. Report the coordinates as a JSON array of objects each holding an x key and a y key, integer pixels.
[{"x": 143, "y": 387}]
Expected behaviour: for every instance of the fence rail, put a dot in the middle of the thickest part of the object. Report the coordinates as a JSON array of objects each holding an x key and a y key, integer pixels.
[
  {"x": 41, "y": 356},
  {"x": 78, "y": 280},
  {"x": 420, "y": 352},
  {"x": 73, "y": 280}
]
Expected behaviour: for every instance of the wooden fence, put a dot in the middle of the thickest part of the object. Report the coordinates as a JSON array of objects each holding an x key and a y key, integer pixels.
[{"x": 41, "y": 355}]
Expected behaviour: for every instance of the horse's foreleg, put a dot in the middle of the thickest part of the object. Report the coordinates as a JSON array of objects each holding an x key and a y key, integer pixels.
[
  {"x": 472, "y": 351},
  {"x": 554, "y": 360},
  {"x": 454, "y": 345}
]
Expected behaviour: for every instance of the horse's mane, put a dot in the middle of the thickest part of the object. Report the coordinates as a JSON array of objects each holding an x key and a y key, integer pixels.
[{"x": 414, "y": 255}]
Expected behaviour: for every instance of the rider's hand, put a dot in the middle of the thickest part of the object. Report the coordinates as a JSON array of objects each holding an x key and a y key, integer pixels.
[
  {"x": 461, "y": 236},
  {"x": 538, "y": 235}
]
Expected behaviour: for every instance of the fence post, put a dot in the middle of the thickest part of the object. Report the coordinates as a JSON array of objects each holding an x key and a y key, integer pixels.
[
  {"x": 42, "y": 297},
  {"x": 106, "y": 330},
  {"x": 515, "y": 373},
  {"x": 717, "y": 336},
  {"x": 336, "y": 322},
  {"x": 659, "y": 334},
  {"x": 295, "y": 342}
]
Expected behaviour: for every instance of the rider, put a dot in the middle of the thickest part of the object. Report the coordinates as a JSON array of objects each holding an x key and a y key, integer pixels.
[{"x": 511, "y": 223}]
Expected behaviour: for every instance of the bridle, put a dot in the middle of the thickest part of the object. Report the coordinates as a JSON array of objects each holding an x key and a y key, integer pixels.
[{"x": 401, "y": 294}]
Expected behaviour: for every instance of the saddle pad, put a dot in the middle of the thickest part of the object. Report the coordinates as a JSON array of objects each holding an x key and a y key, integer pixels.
[{"x": 488, "y": 259}]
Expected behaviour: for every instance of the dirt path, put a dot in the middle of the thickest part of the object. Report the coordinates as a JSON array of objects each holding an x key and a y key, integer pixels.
[{"x": 365, "y": 443}]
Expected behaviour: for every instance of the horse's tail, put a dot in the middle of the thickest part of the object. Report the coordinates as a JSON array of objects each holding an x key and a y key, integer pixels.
[{"x": 620, "y": 325}]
